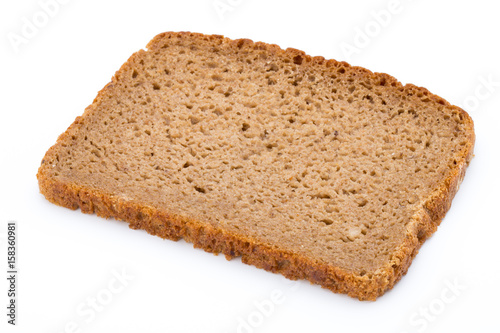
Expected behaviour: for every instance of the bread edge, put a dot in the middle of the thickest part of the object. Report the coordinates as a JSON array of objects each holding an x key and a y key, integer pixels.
[{"x": 216, "y": 240}]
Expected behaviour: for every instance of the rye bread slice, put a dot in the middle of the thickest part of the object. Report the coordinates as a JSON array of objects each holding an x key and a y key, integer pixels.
[{"x": 304, "y": 166}]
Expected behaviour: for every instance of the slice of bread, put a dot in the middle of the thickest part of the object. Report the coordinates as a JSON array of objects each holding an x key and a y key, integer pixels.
[{"x": 303, "y": 166}]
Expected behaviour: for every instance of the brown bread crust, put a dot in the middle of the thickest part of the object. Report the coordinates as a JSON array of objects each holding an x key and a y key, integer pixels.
[{"x": 160, "y": 222}]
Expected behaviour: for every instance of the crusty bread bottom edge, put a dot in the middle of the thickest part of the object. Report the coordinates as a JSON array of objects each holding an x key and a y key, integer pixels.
[{"x": 291, "y": 265}]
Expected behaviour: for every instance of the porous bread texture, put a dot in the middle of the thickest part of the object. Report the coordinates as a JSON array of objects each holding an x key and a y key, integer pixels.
[{"x": 307, "y": 167}]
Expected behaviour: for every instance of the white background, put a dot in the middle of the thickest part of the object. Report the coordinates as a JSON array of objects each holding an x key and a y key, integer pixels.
[{"x": 67, "y": 258}]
